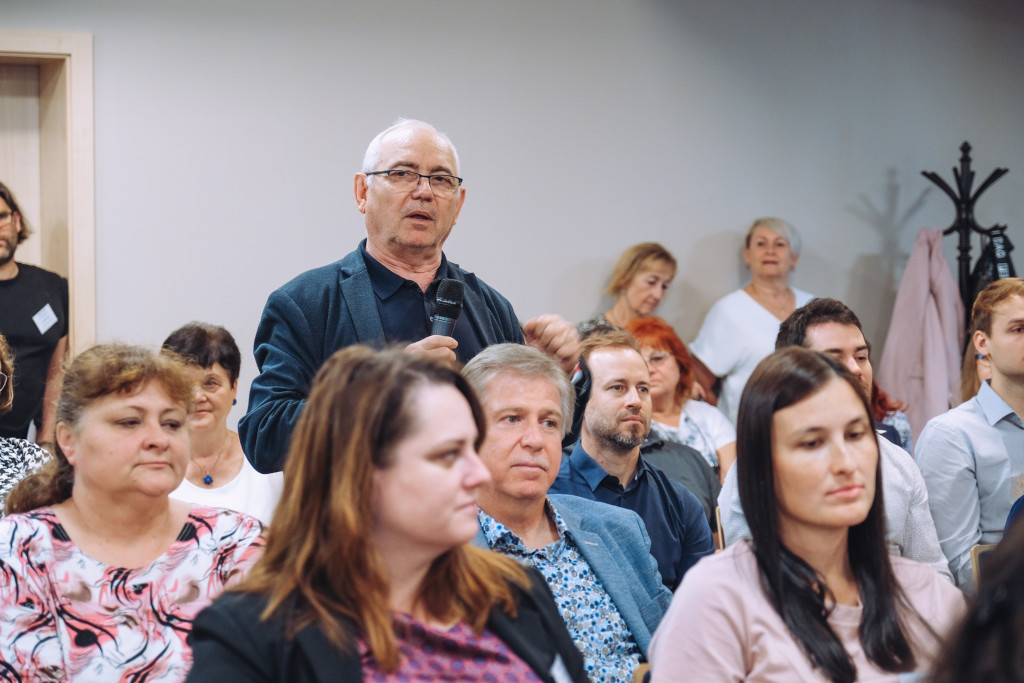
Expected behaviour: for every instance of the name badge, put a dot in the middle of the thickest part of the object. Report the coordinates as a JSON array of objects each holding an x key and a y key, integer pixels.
[{"x": 45, "y": 319}]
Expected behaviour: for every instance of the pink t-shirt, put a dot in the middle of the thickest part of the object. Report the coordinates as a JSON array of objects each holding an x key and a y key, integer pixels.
[{"x": 721, "y": 626}]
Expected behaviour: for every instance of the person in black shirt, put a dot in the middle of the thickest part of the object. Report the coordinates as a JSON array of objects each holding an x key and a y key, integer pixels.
[{"x": 34, "y": 319}]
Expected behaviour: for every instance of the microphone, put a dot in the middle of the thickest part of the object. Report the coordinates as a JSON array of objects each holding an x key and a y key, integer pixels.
[{"x": 447, "y": 306}]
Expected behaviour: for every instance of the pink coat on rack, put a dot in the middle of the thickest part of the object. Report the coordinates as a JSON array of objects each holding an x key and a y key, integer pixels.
[{"x": 921, "y": 361}]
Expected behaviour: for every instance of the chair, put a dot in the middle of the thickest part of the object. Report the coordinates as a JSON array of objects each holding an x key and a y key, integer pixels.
[{"x": 977, "y": 557}]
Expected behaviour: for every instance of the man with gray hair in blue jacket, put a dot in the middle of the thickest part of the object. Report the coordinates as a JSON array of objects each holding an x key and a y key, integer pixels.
[{"x": 596, "y": 557}]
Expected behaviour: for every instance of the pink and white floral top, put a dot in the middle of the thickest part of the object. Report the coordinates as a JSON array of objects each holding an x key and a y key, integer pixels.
[{"x": 67, "y": 617}]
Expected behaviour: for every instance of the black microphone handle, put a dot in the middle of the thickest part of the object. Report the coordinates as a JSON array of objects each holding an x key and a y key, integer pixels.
[{"x": 443, "y": 326}]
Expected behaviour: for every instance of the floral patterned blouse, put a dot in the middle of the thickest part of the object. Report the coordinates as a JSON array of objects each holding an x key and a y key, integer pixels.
[{"x": 67, "y": 617}]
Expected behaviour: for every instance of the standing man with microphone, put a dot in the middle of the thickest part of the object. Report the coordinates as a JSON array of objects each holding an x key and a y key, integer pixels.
[{"x": 384, "y": 292}]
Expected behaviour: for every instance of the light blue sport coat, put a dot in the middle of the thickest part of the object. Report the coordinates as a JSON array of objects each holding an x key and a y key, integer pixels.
[{"x": 615, "y": 544}]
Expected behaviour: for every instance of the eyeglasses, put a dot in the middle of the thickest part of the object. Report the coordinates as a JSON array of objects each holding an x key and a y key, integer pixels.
[
  {"x": 441, "y": 185},
  {"x": 3, "y": 381}
]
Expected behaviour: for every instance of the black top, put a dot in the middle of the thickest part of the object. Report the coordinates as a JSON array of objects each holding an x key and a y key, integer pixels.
[
  {"x": 230, "y": 642},
  {"x": 33, "y": 319},
  {"x": 406, "y": 310}
]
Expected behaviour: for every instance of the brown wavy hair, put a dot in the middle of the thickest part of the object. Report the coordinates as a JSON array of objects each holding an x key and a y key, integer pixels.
[
  {"x": 100, "y": 371},
  {"x": 321, "y": 560}
]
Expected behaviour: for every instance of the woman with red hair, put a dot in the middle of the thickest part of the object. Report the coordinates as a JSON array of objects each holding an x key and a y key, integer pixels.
[{"x": 677, "y": 417}]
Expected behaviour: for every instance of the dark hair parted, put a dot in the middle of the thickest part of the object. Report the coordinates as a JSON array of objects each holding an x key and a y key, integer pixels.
[
  {"x": 658, "y": 334},
  {"x": 100, "y": 371},
  {"x": 321, "y": 560},
  {"x": 6, "y": 367},
  {"x": 12, "y": 204},
  {"x": 793, "y": 330},
  {"x": 203, "y": 344},
  {"x": 797, "y": 592},
  {"x": 633, "y": 260},
  {"x": 985, "y": 645}
]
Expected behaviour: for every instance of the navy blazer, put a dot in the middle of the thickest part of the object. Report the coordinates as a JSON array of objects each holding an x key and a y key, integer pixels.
[
  {"x": 615, "y": 544},
  {"x": 314, "y": 315},
  {"x": 230, "y": 642}
]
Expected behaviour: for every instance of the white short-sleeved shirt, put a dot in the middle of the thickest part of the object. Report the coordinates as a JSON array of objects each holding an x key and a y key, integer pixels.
[{"x": 736, "y": 335}]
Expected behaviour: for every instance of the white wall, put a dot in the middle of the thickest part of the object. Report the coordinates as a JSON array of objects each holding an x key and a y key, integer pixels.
[{"x": 227, "y": 134}]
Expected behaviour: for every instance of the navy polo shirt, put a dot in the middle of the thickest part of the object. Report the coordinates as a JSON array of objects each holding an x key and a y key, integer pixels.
[
  {"x": 405, "y": 310},
  {"x": 675, "y": 519}
]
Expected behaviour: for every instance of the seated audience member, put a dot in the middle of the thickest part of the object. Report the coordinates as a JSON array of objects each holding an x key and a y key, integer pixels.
[
  {"x": 410, "y": 193},
  {"x": 830, "y": 327},
  {"x": 218, "y": 472},
  {"x": 677, "y": 417},
  {"x": 367, "y": 573},
  {"x": 971, "y": 455},
  {"x": 813, "y": 595},
  {"x": 986, "y": 646},
  {"x": 606, "y": 464},
  {"x": 740, "y": 328},
  {"x": 595, "y": 557},
  {"x": 18, "y": 457},
  {"x": 101, "y": 572},
  {"x": 640, "y": 279},
  {"x": 890, "y": 420},
  {"x": 974, "y": 370}
]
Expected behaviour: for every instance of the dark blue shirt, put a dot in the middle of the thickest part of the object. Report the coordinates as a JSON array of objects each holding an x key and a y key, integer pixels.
[
  {"x": 675, "y": 520},
  {"x": 405, "y": 310}
]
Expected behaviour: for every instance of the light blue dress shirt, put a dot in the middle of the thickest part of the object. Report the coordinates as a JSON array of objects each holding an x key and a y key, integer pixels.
[{"x": 970, "y": 456}]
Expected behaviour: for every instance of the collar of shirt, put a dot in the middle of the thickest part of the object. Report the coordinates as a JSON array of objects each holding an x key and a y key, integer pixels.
[
  {"x": 993, "y": 407},
  {"x": 594, "y": 474},
  {"x": 384, "y": 282},
  {"x": 504, "y": 540}
]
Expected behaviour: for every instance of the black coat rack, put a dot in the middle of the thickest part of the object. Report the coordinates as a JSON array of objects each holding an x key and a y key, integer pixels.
[{"x": 965, "y": 223}]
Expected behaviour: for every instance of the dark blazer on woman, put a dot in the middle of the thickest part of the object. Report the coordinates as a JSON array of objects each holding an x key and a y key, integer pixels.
[{"x": 231, "y": 643}]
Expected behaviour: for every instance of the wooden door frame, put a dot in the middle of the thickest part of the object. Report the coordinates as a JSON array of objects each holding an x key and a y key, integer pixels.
[{"x": 67, "y": 167}]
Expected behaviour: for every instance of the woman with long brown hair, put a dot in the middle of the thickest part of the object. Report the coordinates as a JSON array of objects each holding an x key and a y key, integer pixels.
[
  {"x": 814, "y": 594},
  {"x": 367, "y": 573}
]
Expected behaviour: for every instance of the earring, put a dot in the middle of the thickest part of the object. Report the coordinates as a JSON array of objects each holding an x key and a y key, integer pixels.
[{"x": 234, "y": 401}]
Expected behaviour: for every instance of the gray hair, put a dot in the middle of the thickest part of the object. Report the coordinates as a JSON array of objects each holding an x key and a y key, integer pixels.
[
  {"x": 779, "y": 227},
  {"x": 522, "y": 361},
  {"x": 372, "y": 156}
]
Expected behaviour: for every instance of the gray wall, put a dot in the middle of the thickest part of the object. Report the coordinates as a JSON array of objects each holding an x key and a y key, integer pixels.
[{"x": 227, "y": 134}]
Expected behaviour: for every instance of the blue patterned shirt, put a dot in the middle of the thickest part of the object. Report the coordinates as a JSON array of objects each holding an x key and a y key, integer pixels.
[{"x": 594, "y": 622}]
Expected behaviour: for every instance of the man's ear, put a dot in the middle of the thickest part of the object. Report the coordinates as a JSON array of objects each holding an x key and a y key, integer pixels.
[
  {"x": 361, "y": 190},
  {"x": 981, "y": 342}
]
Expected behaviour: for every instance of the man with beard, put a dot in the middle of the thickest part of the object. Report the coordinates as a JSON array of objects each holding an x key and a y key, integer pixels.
[
  {"x": 410, "y": 194},
  {"x": 606, "y": 464},
  {"x": 34, "y": 320}
]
